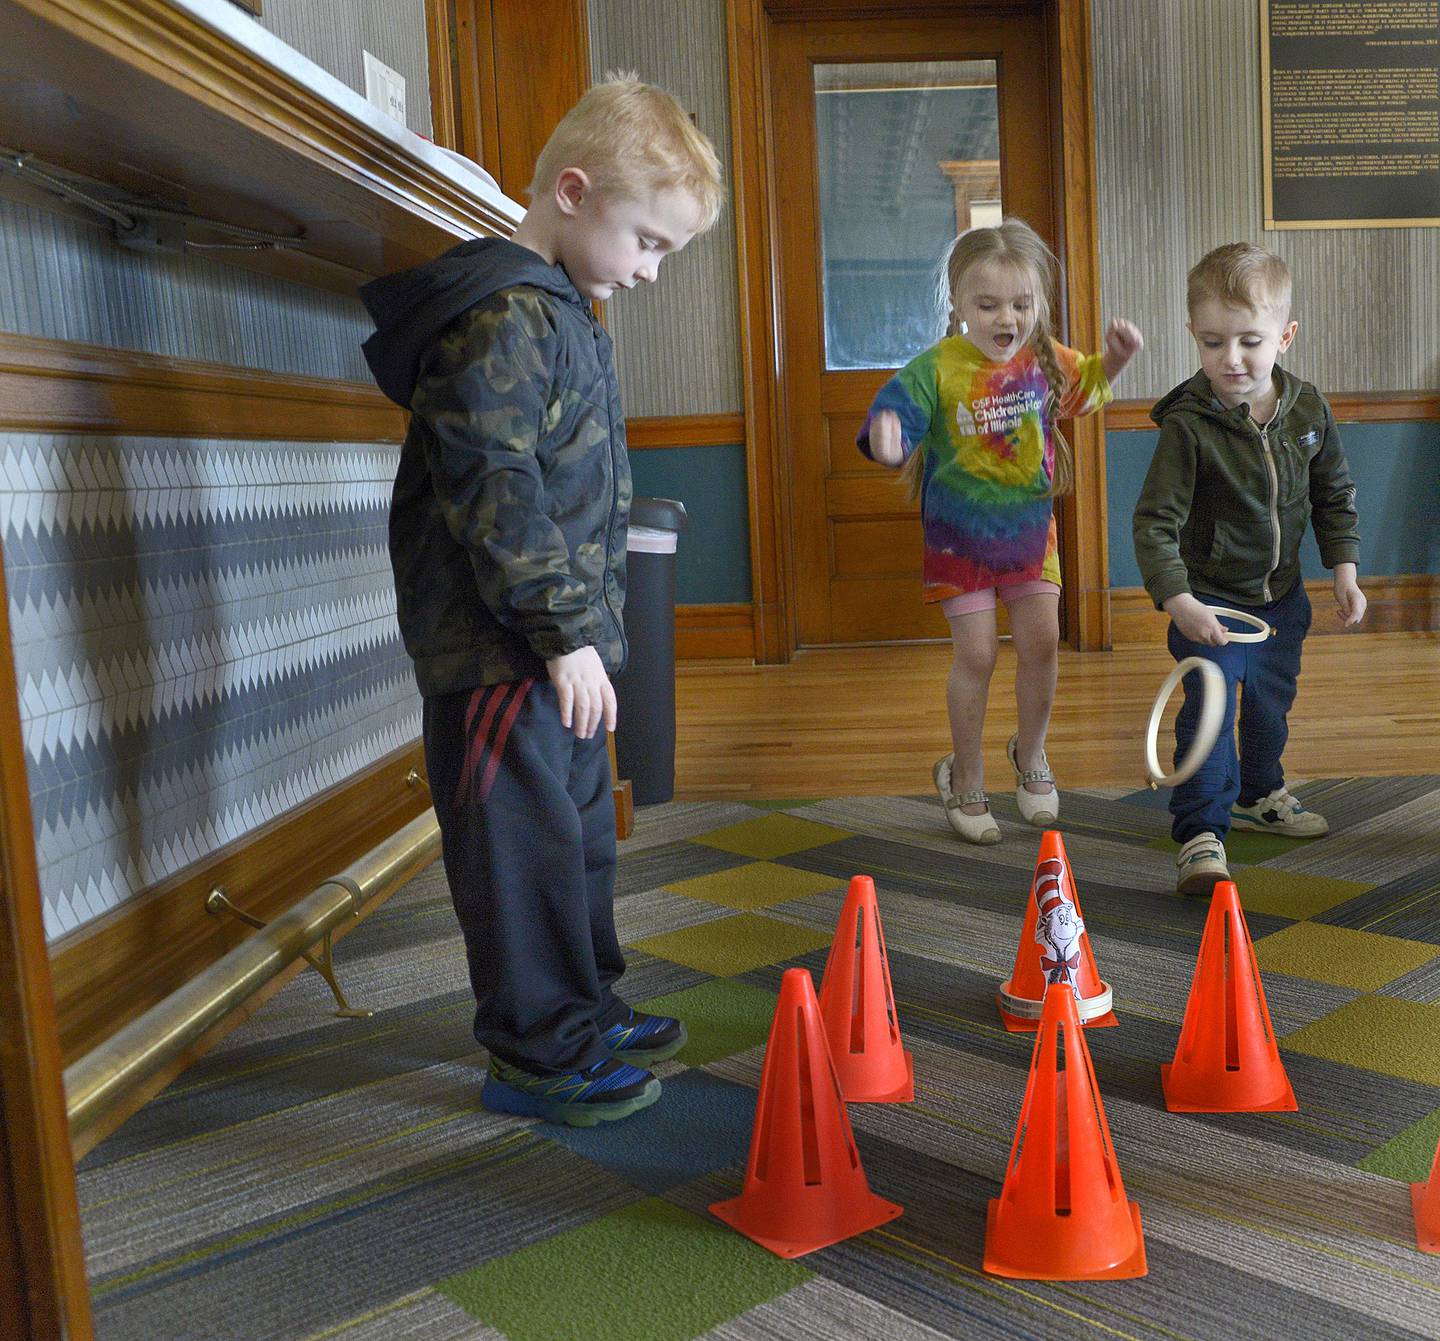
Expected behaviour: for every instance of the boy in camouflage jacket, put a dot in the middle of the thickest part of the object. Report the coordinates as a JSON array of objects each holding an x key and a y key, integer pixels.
[{"x": 507, "y": 537}]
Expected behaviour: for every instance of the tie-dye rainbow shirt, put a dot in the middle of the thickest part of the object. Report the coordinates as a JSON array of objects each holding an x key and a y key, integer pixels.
[{"x": 988, "y": 459}]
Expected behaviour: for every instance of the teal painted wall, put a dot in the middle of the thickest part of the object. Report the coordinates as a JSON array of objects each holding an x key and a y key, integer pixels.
[
  {"x": 1396, "y": 469},
  {"x": 713, "y": 553}
]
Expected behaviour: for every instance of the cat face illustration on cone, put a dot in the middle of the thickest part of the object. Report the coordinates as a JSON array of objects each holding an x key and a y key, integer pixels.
[{"x": 1058, "y": 926}]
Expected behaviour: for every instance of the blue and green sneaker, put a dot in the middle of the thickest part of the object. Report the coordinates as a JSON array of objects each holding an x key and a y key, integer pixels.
[
  {"x": 646, "y": 1039},
  {"x": 605, "y": 1092}
]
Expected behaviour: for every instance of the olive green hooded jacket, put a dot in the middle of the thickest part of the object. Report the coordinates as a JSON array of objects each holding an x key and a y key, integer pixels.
[{"x": 1225, "y": 503}]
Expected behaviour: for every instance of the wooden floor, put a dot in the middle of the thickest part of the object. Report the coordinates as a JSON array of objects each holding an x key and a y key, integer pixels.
[{"x": 871, "y": 721}]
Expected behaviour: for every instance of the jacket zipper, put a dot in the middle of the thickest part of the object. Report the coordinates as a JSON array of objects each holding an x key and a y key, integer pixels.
[
  {"x": 1274, "y": 507},
  {"x": 614, "y": 499}
]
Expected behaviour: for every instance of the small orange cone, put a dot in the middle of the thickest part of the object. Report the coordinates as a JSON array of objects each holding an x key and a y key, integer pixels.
[
  {"x": 1227, "y": 1060},
  {"x": 1054, "y": 946},
  {"x": 1426, "y": 1199},
  {"x": 804, "y": 1186},
  {"x": 857, "y": 1004},
  {"x": 1062, "y": 1212}
]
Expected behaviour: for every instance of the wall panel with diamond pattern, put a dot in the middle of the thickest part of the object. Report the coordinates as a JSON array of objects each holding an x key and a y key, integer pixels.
[{"x": 204, "y": 630}]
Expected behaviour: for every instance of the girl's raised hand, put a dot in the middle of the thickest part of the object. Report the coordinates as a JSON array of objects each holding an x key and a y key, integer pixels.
[
  {"x": 1122, "y": 342},
  {"x": 886, "y": 446}
]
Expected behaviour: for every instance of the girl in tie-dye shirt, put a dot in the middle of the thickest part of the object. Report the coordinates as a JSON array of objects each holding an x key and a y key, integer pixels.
[{"x": 972, "y": 420}]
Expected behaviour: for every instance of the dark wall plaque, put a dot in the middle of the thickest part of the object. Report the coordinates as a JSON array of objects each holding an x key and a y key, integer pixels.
[{"x": 1352, "y": 113}]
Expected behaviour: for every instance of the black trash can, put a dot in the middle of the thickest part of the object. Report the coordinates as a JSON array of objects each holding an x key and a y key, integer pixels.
[{"x": 645, "y": 689}]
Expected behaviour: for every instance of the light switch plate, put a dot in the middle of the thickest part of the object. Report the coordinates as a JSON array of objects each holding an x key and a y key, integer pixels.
[{"x": 385, "y": 88}]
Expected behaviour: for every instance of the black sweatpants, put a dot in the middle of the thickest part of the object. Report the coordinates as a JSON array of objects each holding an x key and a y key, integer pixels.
[{"x": 527, "y": 826}]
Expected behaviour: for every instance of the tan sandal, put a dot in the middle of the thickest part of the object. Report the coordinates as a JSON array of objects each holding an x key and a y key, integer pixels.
[
  {"x": 980, "y": 829},
  {"x": 1041, "y": 809}
]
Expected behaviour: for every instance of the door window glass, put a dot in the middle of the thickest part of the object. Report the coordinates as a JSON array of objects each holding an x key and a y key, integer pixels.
[{"x": 908, "y": 155}]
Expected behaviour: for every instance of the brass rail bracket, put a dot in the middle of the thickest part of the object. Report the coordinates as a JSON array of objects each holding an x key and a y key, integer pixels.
[{"x": 218, "y": 902}]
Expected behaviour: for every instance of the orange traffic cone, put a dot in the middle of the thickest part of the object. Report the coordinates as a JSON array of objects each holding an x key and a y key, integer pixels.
[
  {"x": 857, "y": 1005},
  {"x": 1426, "y": 1199},
  {"x": 804, "y": 1187},
  {"x": 1227, "y": 1060},
  {"x": 1062, "y": 1212},
  {"x": 1051, "y": 951}
]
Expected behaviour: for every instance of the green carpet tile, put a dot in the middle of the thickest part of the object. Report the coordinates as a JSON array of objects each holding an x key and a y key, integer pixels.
[{"x": 316, "y": 1177}]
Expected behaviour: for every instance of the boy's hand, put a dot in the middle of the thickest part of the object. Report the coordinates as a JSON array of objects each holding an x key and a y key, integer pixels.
[
  {"x": 1196, "y": 620},
  {"x": 885, "y": 440},
  {"x": 585, "y": 692},
  {"x": 1122, "y": 342},
  {"x": 1348, "y": 596}
]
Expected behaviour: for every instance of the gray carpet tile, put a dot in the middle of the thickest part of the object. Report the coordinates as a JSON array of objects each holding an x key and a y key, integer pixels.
[
  {"x": 1407, "y": 906},
  {"x": 216, "y": 1181},
  {"x": 421, "y": 1316},
  {"x": 676, "y": 820},
  {"x": 655, "y": 911},
  {"x": 824, "y": 1311},
  {"x": 314, "y": 1177},
  {"x": 666, "y": 863},
  {"x": 1422, "y": 984},
  {"x": 298, "y": 1069},
  {"x": 369, "y": 1246}
]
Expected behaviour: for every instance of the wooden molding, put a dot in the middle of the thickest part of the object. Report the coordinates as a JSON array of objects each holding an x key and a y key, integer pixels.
[
  {"x": 692, "y": 430},
  {"x": 43, "y": 1289},
  {"x": 444, "y": 66},
  {"x": 541, "y": 66},
  {"x": 1083, "y": 519},
  {"x": 156, "y": 102},
  {"x": 1350, "y": 407},
  {"x": 1124, "y": 416},
  {"x": 117, "y": 967},
  {"x": 761, "y": 361},
  {"x": 1408, "y": 603},
  {"x": 54, "y": 386},
  {"x": 477, "y": 106},
  {"x": 782, "y": 10},
  {"x": 714, "y": 632}
]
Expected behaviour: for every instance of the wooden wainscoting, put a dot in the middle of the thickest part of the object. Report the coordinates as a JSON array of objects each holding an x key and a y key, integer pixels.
[
  {"x": 1350, "y": 407},
  {"x": 1405, "y": 604},
  {"x": 685, "y": 430},
  {"x": 112, "y": 970},
  {"x": 715, "y": 632},
  {"x": 60, "y": 386},
  {"x": 43, "y": 1290}
]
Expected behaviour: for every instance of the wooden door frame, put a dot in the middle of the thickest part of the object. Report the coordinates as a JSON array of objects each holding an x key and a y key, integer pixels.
[
  {"x": 43, "y": 1287},
  {"x": 1084, "y": 525}
]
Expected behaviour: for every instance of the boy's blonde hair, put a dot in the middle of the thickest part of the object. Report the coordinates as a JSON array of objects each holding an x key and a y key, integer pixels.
[
  {"x": 1240, "y": 274},
  {"x": 1012, "y": 243},
  {"x": 630, "y": 137}
]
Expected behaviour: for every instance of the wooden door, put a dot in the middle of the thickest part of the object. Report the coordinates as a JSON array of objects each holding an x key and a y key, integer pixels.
[{"x": 889, "y": 136}]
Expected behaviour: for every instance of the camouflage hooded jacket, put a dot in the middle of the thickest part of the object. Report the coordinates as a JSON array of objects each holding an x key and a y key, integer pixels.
[{"x": 509, "y": 515}]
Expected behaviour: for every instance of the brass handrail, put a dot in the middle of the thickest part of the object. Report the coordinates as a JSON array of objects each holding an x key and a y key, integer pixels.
[{"x": 95, "y": 1085}]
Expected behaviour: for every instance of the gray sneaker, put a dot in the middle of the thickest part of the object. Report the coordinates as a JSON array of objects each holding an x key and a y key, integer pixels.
[
  {"x": 1200, "y": 865},
  {"x": 1279, "y": 813}
]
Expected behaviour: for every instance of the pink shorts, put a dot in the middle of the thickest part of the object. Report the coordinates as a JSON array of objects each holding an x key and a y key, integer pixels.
[{"x": 984, "y": 599}]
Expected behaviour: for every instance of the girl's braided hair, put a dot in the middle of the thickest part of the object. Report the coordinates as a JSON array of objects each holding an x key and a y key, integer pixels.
[{"x": 1012, "y": 243}]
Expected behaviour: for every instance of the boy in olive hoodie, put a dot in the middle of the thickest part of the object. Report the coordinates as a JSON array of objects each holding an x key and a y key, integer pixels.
[{"x": 1248, "y": 454}]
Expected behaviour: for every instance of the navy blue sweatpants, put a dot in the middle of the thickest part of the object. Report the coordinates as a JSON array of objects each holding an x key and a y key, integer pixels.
[
  {"x": 1268, "y": 671},
  {"x": 527, "y": 826}
]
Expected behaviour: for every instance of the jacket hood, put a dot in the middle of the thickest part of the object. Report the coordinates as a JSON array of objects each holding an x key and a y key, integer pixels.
[
  {"x": 1196, "y": 397},
  {"x": 412, "y": 307}
]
